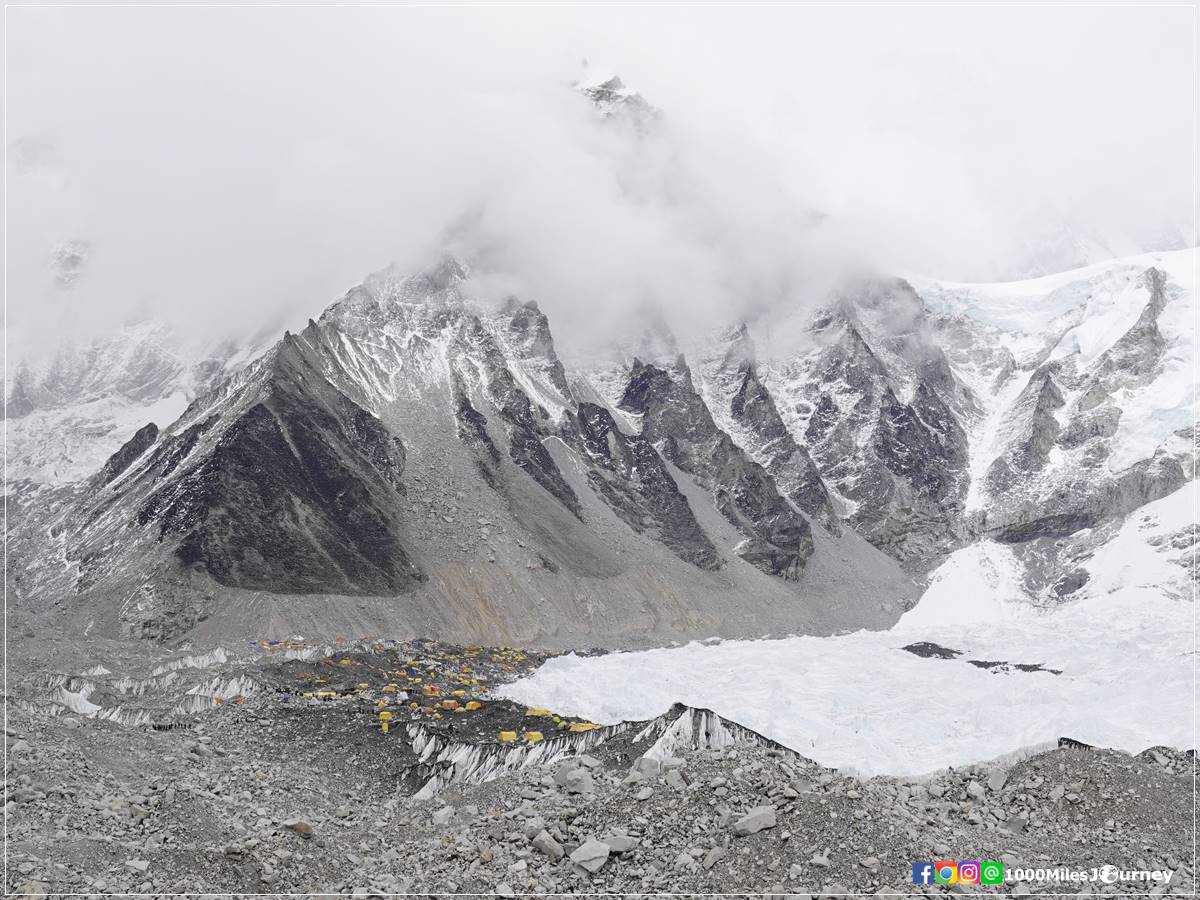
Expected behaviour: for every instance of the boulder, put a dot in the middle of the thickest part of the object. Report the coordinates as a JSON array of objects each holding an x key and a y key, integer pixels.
[
  {"x": 544, "y": 843},
  {"x": 758, "y": 819},
  {"x": 591, "y": 856}
]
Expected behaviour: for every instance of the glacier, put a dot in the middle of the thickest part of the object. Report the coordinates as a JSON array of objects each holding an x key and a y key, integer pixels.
[{"x": 860, "y": 702}]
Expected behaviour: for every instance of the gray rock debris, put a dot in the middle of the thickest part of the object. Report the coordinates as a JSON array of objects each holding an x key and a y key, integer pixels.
[
  {"x": 591, "y": 856},
  {"x": 522, "y": 833}
]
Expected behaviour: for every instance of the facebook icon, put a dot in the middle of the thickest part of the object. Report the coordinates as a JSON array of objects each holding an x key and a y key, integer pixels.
[{"x": 922, "y": 873}]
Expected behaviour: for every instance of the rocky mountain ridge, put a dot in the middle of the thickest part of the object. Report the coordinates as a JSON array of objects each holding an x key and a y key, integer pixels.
[{"x": 293, "y": 475}]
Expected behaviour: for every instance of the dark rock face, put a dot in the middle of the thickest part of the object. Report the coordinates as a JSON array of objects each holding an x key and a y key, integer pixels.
[
  {"x": 523, "y": 422},
  {"x": 901, "y": 465},
  {"x": 471, "y": 426},
  {"x": 631, "y": 477},
  {"x": 1071, "y": 582},
  {"x": 528, "y": 452},
  {"x": 142, "y": 440},
  {"x": 930, "y": 650},
  {"x": 674, "y": 417},
  {"x": 176, "y": 450},
  {"x": 1101, "y": 422},
  {"x": 299, "y": 493},
  {"x": 911, "y": 436},
  {"x": 789, "y": 464},
  {"x": 20, "y": 401}
]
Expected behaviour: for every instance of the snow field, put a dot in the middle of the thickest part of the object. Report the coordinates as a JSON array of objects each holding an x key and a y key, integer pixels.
[{"x": 862, "y": 703}]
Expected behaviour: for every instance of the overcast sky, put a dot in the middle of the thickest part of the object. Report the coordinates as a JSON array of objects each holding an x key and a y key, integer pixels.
[{"x": 228, "y": 167}]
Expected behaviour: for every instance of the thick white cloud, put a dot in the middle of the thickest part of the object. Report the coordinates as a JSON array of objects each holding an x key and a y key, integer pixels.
[{"x": 233, "y": 167}]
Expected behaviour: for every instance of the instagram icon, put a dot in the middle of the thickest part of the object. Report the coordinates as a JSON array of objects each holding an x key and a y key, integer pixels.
[{"x": 968, "y": 873}]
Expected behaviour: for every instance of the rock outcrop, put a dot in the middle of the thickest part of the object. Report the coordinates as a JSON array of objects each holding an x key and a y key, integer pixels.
[{"x": 674, "y": 417}]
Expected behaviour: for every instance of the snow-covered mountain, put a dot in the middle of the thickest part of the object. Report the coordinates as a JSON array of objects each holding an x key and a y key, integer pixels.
[
  {"x": 1085, "y": 382},
  {"x": 419, "y": 449},
  {"x": 67, "y": 414},
  {"x": 421, "y": 461},
  {"x": 417, "y": 443},
  {"x": 612, "y": 99},
  {"x": 883, "y": 415}
]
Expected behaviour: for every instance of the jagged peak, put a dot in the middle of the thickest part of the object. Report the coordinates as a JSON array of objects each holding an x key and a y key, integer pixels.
[
  {"x": 613, "y": 99},
  {"x": 437, "y": 282},
  {"x": 448, "y": 272},
  {"x": 395, "y": 294},
  {"x": 513, "y": 304},
  {"x": 740, "y": 350},
  {"x": 597, "y": 77},
  {"x": 657, "y": 379},
  {"x": 682, "y": 371},
  {"x": 736, "y": 332}
]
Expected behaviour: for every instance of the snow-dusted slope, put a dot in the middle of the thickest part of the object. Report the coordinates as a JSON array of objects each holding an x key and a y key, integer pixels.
[
  {"x": 68, "y": 414},
  {"x": 1111, "y": 347},
  {"x": 56, "y": 447},
  {"x": 937, "y": 413},
  {"x": 1113, "y": 667}
]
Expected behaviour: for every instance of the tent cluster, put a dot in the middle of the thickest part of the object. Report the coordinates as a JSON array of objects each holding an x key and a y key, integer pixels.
[
  {"x": 282, "y": 645},
  {"x": 430, "y": 705},
  {"x": 533, "y": 737},
  {"x": 402, "y": 681}
]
